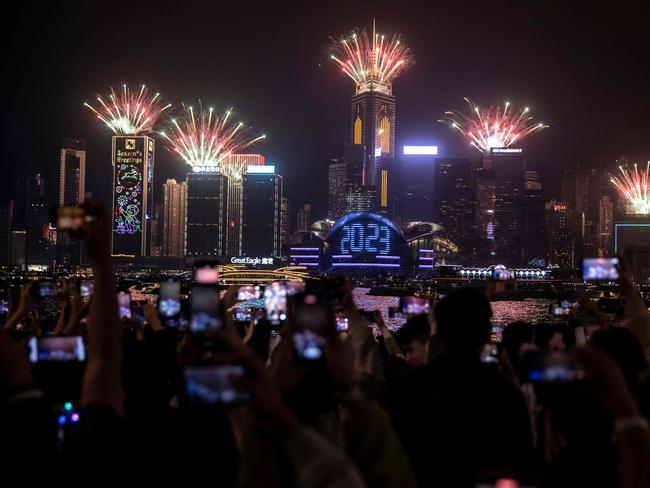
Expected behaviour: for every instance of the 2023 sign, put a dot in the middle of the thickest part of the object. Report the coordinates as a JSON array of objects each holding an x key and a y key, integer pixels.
[{"x": 365, "y": 237}]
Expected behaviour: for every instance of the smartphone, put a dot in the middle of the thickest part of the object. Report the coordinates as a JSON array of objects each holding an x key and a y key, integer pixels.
[
  {"x": 57, "y": 349},
  {"x": 496, "y": 331},
  {"x": 490, "y": 354},
  {"x": 206, "y": 273},
  {"x": 71, "y": 219},
  {"x": 242, "y": 314},
  {"x": 246, "y": 293},
  {"x": 600, "y": 269},
  {"x": 552, "y": 367},
  {"x": 610, "y": 305},
  {"x": 503, "y": 274},
  {"x": 204, "y": 309},
  {"x": 310, "y": 323},
  {"x": 4, "y": 301},
  {"x": 413, "y": 305},
  {"x": 211, "y": 385},
  {"x": 124, "y": 304},
  {"x": 342, "y": 323},
  {"x": 86, "y": 288},
  {"x": 556, "y": 309},
  {"x": 275, "y": 302},
  {"x": 169, "y": 300},
  {"x": 44, "y": 289}
]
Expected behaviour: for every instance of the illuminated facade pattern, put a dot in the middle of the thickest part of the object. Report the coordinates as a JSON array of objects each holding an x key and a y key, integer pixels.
[
  {"x": 133, "y": 161},
  {"x": 174, "y": 218},
  {"x": 72, "y": 173},
  {"x": 358, "y": 125},
  {"x": 235, "y": 165},
  {"x": 261, "y": 215},
  {"x": 207, "y": 204},
  {"x": 377, "y": 114},
  {"x": 383, "y": 201}
]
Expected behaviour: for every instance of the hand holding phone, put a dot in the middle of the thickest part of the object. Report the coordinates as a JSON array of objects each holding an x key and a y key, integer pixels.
[
  {"x": 204, "y": 306},
  {"x": 600, "y": 269},
  {"x": 56, "y": 349},
  {"x": 211, "y": 385},
  {"x": 169, "y": 300},
  {"x": 124, "y": 305}
]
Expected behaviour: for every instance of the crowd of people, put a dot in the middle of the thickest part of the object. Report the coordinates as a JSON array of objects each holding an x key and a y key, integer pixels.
[{"x": 438, "y": 403}]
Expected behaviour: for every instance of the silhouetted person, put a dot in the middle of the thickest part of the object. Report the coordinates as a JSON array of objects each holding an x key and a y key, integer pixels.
[{"x": 458, "y": 417}]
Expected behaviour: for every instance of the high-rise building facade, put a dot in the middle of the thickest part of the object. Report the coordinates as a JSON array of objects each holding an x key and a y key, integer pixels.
[
  {"x": 345, "y": 173},
  {"x": 606, "y": 227},
  {"x": 235, "y": 180},
  {"x": 32, "y": 214},
  {"x": 261, "y": 213},
  {"x": 533, "y": 220},
  {"x": 581, "y": 191},
  {"x": 72, "y": 172},
  {"x": 373, "y": 127},
  {"x": 18, "y": 248},
  {"x": 303, "y": 218},
  {"x": 133, "y": 166},
  {"x": 174, "y": 218},
  {"x": 6, "y": 223},
  {"x": 207, "y": 208},
  {"x": 559, "y": 247},
  {"x": 508, "y": 172},
  {"x": 454, "y": 198},
  {"x": 413, "y": 184}
]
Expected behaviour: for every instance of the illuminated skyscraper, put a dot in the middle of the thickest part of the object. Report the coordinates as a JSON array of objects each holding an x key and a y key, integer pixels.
[
  {"x": 207, "y": 206},
  {"x": 234, "y": 240},
  {"x": 133, "y": 164},
  {"x": 261, "y": 212},
  {"x": 174, "y": 218},
  {"x": 303, "y": 217},
  {"x": 345, "y": 174},
  {"x": 534, "y": 234},
  {"x": 606, "y": 227},
  {"x": 373, "y": 127},
  {"x": 72, "y": 173},
  {"x": 559, "y": 247},
  {"x": 413, "y": 184},
  {"x": 18, "y": 248}
]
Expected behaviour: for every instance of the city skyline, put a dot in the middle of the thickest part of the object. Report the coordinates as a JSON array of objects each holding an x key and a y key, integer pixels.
[{"x": 302, "y": 103}]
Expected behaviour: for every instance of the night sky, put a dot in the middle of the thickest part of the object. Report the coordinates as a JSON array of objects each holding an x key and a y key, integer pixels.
[{"x": 583, "y": 69}]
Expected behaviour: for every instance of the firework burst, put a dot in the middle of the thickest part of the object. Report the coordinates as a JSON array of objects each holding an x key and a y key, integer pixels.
[
  {"x": 371, "y": 59},
  {"x": 633, "y": 186},
  {"x": 129, "y": 112},
  {"x": 498, "y": 126},
  {"x": 203, "y": 139}
]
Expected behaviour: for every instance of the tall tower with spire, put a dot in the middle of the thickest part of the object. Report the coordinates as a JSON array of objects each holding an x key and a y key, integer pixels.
[{"x": 373, "y": 62}]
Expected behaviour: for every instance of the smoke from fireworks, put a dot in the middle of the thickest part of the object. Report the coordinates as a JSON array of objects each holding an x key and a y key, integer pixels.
[
  {"x": 205, "y": 139},
  {"x": 633, "y": 187},
  {"x": 497, "y": 126},
  {"x": 371, "y": 58},
  {"x": 129, "y": 112}
]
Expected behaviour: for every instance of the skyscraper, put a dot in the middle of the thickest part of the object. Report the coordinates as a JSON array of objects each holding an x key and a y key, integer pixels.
[
  {"x": 454, "y": 198},
  {"x": 413, "y": 183},
  {"x": 582, "y": 190},
  {"x": 174, "y": 218},
  {"x": 559, "y": 248},
  {"x": 345, "y": 173},
  {"x": 534, "y": 234},
  {"x": 303, "y": 218},
  {"x": 261, "y": 212},
  {"x": 207, "y": 206},
  {"x": 243, "y": 161},
  {"x": 32, "y": 214},
  {"x": 133, "y": 165},
  {"x": 18, "y": 245},
  {"x": 6, "y": 222},
  {"x": 72, "y": 173},
  {"x": 606, "y": 227}
]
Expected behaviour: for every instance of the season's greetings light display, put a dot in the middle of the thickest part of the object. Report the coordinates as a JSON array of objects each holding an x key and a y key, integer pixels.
[{"x": 132, "y": 189}]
